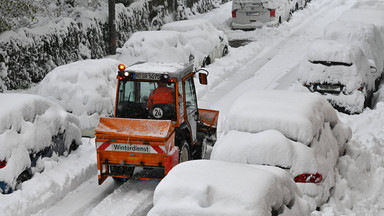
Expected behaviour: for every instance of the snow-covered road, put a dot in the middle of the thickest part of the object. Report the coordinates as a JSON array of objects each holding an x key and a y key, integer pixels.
[{"x": 69, "y": 185}]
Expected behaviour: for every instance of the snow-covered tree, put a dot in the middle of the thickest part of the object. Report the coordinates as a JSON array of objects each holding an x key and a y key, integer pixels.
[{"x": 17, "y": 13}]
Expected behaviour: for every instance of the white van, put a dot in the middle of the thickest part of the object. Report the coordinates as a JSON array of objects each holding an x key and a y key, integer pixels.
[{"x": 252, "y": 14}]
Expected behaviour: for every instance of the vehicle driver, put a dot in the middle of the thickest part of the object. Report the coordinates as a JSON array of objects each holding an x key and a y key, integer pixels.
[{"x": 161, "y": 95}]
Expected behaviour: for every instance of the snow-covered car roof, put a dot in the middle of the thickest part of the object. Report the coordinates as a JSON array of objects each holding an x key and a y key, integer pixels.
[
  {"x": 27, "y": 125},
  {"x": 366, "y": 36},
  {"x": 178, "y": 70},
  {"x": 85, "y": 88},
  {"x": 207, "y": 187},
  {"x": 347, "y": 65},
  {"x": 156, "y": 46},
  {"x": 202, "y": 35},
  {"x": 298, "y": 115},
  {"x": 334, "y": 51}
]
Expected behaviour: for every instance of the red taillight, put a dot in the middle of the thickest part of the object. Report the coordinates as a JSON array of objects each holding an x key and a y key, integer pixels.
[
  {"x": 3, "y": 163},
  {"x": 234, "y": 14},
  {"x": 272, "y": 13},
  {"x": 308, "y": 177}
]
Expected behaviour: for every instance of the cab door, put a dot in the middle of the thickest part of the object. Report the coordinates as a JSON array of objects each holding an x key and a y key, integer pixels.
[{"x": 192, "y": 114}]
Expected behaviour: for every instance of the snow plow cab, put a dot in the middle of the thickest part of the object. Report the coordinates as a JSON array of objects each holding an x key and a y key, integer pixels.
[{"x": 157, "y": 122}]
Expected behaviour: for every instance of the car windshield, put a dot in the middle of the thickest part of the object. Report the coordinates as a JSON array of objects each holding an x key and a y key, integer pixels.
[
  {"x": 332, "y": 63},
  {"x": 146, "y": 100}
]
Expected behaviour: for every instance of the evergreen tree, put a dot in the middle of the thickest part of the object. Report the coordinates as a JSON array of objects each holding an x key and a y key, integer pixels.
[{"x": 16, "y": 13}]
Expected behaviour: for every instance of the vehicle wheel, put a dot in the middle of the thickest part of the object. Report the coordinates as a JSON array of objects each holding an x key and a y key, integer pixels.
[
  {"x": 206, "y": 62},
  {"x": 121, "y": 170},
  {"x": 202, "y": 149},
  {"x": 184, "y": 153},
  {"x": 280, "y": 21},
  {"x": 73, "y": 146},
  {"x": 225, "y": 51},
  {"x": 24, "y": 176}
]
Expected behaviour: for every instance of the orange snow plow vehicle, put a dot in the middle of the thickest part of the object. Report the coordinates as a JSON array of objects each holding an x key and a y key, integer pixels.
[{"x": 157, "y": 122}]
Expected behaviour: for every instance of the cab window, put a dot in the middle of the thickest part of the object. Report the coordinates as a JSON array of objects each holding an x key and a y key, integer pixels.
[{"x": 190, "y": 96}]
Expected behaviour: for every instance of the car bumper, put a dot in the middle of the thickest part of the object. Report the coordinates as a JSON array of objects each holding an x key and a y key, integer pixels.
[
  {"x": 254, "y": 25},
  {"x": 352, "y": 103}
]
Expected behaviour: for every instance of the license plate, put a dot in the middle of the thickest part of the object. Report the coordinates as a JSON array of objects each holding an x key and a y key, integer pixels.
[
  {"x": 326, "y": 87},
  {"x": 253, "y": 13},
  {"x": 148, "y": 76}
]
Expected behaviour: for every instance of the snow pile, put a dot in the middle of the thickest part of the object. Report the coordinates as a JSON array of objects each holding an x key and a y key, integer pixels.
[
  {"x": 27, "y": 125},
  {"x": 268, "y": 147},
  {"x": 299, "y": 116},
  {"x": 202, "y": 36},
  {"x": 366, "y": 36},
  {"x": 339, "y": 63},
  {"x": 207, "y": 187},
  {"x": 270, "y": 117},
  {"x": 156, "y": 46},
  {"x": 85, "y": 88},
  {"x": 61, "y": 176}
]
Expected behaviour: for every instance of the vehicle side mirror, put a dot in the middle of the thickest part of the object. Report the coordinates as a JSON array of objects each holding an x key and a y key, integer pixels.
[
  {"x": 203, "y": 78},
  {"x": 373, "y": 69}
]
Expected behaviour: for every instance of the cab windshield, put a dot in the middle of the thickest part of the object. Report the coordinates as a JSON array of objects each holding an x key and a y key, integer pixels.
[{"x": 146, "y": 100}]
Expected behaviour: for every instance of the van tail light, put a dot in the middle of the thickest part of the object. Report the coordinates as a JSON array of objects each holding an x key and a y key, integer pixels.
[
  {"x": 3, "y": 163},
  {"x": 309, "y": 177},
  {"x": 272, "y": 12},
  {"x": 234, "y": 14}
]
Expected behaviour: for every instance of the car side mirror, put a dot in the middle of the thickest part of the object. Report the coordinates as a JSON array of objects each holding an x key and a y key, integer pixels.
[
  {"x": 203, "y": 78},
  {"x": 203, "y": 74},
  {"x": 373, "y": 69}
]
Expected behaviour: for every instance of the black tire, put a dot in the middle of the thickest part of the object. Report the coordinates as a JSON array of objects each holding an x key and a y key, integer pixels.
[
  {"x": 24, "y": 176},
  {"x": 200, "y": 149},
  {"x": 225, "y": 51},
  {"x": 184, "y": 154},
  {"x": 206, "y": 62},
  {"x": 73, "y": 146},
  {"x": 122, "y": 170}
]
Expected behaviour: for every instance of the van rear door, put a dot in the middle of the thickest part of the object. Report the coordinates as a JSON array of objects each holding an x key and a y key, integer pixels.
[{"x": 246, "y": 12}]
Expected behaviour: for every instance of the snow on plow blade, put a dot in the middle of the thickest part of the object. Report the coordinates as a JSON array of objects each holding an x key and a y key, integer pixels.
[{"x": 134, "y": 142}]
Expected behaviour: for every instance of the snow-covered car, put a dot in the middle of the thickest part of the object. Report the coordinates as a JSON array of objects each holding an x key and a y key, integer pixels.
[
  {"x": 86, "y": 88},
  {"x": 208, "y": 42},
  {"x": 156, "y": 46},
  {"x": 252, "y": 14},
  {"x": 341, "y": 73},
  {"x": 297, "y": 131},
  {"x": 370, "y": 12},
  {"x": 207, "y": 187},
  {"x": 366, "y": 36},
  {"x": 32, "y": 128}
]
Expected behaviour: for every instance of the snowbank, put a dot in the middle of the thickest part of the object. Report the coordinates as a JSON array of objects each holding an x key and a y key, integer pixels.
[
  {"x": 206, "y": 187},
  {"x": 28, "y": 124},
  {"x": 299, "y": 116},
  {"x": 156, "y": 46},
  {"x": 85, "y": 88}
]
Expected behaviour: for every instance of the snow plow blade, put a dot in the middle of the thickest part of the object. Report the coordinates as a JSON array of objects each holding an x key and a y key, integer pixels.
[{"x": 122, "y": 142}]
